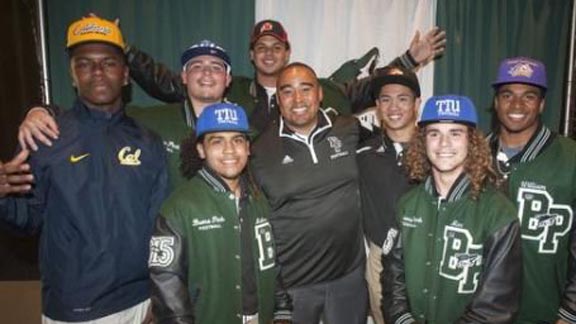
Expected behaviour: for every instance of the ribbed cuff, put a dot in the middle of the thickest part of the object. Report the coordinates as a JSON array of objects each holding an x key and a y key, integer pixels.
[
  {"x": 283, "y": 315},
  {"x": 408, "y": 61},
  {"x": 567, "y": 315},
  {"x": 405, "y": 319}
]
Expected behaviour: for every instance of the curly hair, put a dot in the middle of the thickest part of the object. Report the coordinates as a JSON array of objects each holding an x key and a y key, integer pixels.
[
  {"x": 478, "y": 164},
  {"x": 190, "y": 160}
]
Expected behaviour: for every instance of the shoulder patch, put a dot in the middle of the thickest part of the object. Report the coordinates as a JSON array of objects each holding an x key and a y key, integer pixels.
[{"x": 161, "y": 251}]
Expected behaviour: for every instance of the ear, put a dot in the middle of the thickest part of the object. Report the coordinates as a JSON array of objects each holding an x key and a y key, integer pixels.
[
  {"x": 542, "y": 103},
  {"x": 288, "y": 52},
  {"x": 417, "y": 105},
  {"x": 320, "y": 92},
  {"x": 248, "y": 147},
  {"x": 72, "y": 76},
  {"x": 183, "y": 76},
  {"x": 228, "y": 79},
  {"x": 252, "y": 55},
  {"x": 495, "y": 103},
  {"x": 200, "y": 148},
  {"x": 126, "y": 75}
]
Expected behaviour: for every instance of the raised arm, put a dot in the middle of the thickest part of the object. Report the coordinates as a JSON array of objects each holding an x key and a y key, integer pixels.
[
  {"x": 155, "y": 78},
  {"x": 423, "y": 49}
]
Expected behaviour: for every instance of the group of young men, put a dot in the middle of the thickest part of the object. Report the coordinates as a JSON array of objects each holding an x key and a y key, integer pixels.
[{"x": 270, "y": 201}]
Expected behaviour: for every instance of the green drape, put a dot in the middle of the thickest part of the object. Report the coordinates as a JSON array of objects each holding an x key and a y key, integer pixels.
[
  {"x": 482, "y": 33},
  {"x": 161, "y": 28}
]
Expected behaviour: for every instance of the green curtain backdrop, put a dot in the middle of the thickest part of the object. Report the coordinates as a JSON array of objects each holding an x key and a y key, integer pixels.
[
  {"x": 161, "y": 28},
  {"x": 481, "y": 33}
]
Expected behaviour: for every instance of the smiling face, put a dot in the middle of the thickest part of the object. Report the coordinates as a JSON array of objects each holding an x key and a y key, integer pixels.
[
  {"x": 299, "y": 97},
  {"x": 446, "y": 148},
  {"x": 206, "y": 78},
  {"x": 269, "y": 55},
  {"x": 397, "y": 109},
  {"x": 99, "y": 72},
  {"x": 226, "y": 153},
  {"x": 518, "y": 107}
]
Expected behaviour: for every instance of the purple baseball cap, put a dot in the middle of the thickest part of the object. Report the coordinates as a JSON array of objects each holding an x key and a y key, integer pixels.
[{"x": 521, "y": 70}]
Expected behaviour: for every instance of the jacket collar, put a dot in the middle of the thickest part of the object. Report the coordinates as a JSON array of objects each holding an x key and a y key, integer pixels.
[
  {"x": 539, "y": 141},
  {"x": 324, "y": 123},
  {"x": 217, "y": 184},
  {"x": 456, "y": 192},
  {"x": 86, "y": 113}
]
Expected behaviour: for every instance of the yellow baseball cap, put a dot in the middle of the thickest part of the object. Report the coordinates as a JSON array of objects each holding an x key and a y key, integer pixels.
[{"x": 94, "y": 29}]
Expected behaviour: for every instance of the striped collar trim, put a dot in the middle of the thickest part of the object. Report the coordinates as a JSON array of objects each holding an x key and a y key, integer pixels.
[
  {"x": 213, "y": 180},
  {"x": 535, "y": 146},
  {"x": 218, "y": 184},
  {"x": 324, "y": 123},
  {"x": 457, "y": 191}
]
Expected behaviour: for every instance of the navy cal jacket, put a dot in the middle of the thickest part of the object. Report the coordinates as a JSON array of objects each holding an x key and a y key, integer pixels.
[{"x": 97, "y": 192}]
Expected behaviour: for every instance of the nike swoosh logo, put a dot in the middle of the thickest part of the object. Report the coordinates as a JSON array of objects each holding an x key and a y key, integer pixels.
[{"x": 75, "y": 159}]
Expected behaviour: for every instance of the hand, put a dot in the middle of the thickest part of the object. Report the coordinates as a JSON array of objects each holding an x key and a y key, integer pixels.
[
  {"x": 561, "y": 321},
  {"x": 37, "y": 126},
  {"x": 425, "y": 49},
  {"x": 15, "y": 176}
]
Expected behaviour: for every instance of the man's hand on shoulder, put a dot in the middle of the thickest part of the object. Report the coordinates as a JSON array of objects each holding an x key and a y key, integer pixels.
[{"x": 39, "y": 126}]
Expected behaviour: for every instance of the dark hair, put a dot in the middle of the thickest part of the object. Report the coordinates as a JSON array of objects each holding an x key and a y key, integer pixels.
[
  {"x": 542, "y": 90},
  {"x": 190, "y": 161}
]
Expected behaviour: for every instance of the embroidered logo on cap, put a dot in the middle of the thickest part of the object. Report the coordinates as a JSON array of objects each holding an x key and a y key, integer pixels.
[
  {"x": 266, "y": 27},
  {"x": 91, "y": 28},
  {"x": 226, "y": 116},
  {"x": 521, "y": 69},
  {"x": 448, "y": 107}
]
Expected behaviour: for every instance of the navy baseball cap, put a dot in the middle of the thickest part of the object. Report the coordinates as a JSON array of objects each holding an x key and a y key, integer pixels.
[
  {"x": 205, "y": 47},
  {"x": 449, "y": 109},
  {"x": 521, "y": 70},
  {"x": 269, "y": 27},
  {"x": 222, "y": 117},
  {"x": 395, "y": 75}
]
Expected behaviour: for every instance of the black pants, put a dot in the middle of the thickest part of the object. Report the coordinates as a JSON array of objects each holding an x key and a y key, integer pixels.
[{"x": 341, "y": 301}]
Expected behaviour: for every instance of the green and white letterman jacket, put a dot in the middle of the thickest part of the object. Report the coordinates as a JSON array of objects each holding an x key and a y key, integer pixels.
[
  {"x": 455, "y": 260},
  {"x": 173, "y": 122},
  {"x": 195, "y": 258},
  {"x": 542, "y": 183}
]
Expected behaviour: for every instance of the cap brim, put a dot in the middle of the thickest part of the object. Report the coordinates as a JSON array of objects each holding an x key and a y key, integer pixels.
[{"x": 447, "y": 121}]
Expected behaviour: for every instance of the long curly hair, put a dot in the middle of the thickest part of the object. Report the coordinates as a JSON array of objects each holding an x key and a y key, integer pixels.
[
  {"x": 190, "y": 160},
  {"x": 478, "y": 164}
]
